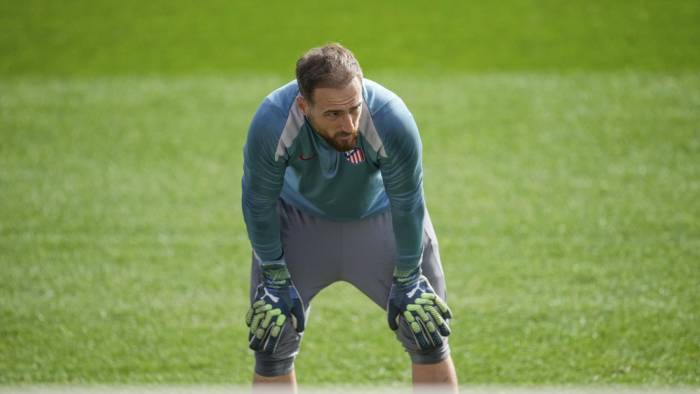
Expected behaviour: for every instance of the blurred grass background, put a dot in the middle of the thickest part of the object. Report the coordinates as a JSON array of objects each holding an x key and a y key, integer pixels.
[
  {"x": 561, "y": 156},
  {"x": 79, "y": 37}
]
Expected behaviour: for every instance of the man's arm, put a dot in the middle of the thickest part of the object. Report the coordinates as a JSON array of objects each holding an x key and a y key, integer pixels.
[
  {"x": 276, "y": 299},
  {"x": 411, "y": 298},
  {"x": 402, "y": 173},
  {"x": 263, "y": 177}
]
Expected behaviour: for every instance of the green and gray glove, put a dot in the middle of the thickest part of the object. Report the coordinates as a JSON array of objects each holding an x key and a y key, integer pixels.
[
  {"x": 276, "y": 300},
  {"x": 414, "y": 301}
]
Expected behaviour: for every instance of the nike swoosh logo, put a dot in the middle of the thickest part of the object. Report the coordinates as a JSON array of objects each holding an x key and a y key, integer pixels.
[{"x": 301, "y": 157}]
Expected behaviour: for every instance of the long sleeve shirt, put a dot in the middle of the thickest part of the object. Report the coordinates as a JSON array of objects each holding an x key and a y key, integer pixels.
[{"x": 285, "y": 158}]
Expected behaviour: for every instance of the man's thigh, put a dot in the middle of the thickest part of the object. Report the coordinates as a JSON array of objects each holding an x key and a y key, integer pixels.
[
  {"x": 370, "y": 256},
  {"x": 319, "y": 252},
  {"x": 370, "y": 264},
  {"x": 311, "y": 252}
]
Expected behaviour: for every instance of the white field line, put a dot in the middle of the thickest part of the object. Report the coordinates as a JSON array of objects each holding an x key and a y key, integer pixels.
[{"x": 220, "y": 389}]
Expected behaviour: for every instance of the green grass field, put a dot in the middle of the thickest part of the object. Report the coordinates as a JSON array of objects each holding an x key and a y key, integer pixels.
[{"x": 562, "y": 171}]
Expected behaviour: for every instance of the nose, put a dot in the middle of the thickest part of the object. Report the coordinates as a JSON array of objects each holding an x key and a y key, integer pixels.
[{"x": 347, "y": 123}]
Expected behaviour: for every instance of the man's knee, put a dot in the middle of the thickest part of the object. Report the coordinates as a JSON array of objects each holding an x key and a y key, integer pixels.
[
  {"x": 270, "y": 366},
  {"x": 281, "y": 362},
  {"x": 433, "y": 356},
  {"x": 418, "y": 356}
]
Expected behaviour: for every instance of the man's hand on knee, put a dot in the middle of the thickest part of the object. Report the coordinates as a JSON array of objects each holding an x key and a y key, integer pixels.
[
  {"x": 412, "y": 301},
  {"x": 276, "y": 300}
]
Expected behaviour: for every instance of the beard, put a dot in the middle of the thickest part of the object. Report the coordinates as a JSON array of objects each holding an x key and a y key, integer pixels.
[{"x": 343, "y": 141}]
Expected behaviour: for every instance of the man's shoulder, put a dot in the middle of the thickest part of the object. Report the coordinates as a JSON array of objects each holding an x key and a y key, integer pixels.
[
  {"x": 282, "y": 98},
  {"x": 273, "y": 112},
  {"x": 277, "y": 122},
  {"x": 377, "y": 96},
  {"x": 389, "y": 114}
]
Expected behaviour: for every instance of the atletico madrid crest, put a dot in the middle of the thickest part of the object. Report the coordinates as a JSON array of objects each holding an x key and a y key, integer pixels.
[{"x": 355, "y": 156}]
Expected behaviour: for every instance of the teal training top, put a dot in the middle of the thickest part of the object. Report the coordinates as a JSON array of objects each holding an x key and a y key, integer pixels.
[{"x": 284, "y": 157}]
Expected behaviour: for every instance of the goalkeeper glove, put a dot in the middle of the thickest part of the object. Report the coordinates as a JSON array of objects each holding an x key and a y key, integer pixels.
[
  {"x": 414, "y": 301},
  {"x": 276, "y": 300}
]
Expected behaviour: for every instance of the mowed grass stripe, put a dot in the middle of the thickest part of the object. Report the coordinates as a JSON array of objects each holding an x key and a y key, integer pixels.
[
  {"x": 566, "y": 207},
  {"x": 98, "y": 37}
]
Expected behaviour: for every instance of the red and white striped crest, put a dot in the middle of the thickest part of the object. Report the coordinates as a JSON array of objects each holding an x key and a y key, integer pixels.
[{"x": 355, "y": 156}]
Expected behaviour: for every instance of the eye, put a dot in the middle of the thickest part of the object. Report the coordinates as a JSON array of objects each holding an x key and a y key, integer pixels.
[{"x": 332, "y": 114}]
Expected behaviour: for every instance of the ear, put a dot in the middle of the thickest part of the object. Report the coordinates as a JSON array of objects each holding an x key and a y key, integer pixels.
[{"x": 301, "y": 103}]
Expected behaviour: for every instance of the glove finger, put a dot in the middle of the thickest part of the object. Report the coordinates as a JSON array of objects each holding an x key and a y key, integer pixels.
[
  {"x": 255, "y": 322},
  {"x": 392, "y": 316},
  {"x": 423, "y": 300},
  {"x": 274, "y": 335},
  {"x": 429, "y": 328},
  {"x": 444, "y": 309},
  {"x": 434, "y": 299},
  {"x": 249, "y": 317},
  {"x": 298, "y": 315},
  {"x": 418, "y": 330},
  {"x": 441, "y": 324},
  {"x": 279, "y": 325},
  {"x": 269, "y": 316},
  {"x": 433, "y": 333},
  {"x": 426, "y": 298},
  {"x": 423, "y": 341},
  {"x": 418, "y": 310},
  {"x": 258, "y": 334},
  {"x": 257, "y": 308},
  {"x": 256, "y": 339}
]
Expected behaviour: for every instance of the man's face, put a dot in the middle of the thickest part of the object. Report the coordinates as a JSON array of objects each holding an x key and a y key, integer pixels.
[{"x": 335, "y": 114}]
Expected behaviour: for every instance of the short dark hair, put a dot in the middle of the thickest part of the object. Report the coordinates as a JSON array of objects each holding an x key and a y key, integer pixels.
[{"x": 329, "y": 66}]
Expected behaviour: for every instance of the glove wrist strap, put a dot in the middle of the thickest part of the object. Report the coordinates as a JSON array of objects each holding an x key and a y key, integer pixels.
[
  {"x": 409, "y": 277},
  {"x": 275, "y": 273}
]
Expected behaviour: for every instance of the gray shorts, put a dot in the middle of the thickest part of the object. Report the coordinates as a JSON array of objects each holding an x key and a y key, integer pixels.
[{"x": 320, "y": 252}]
